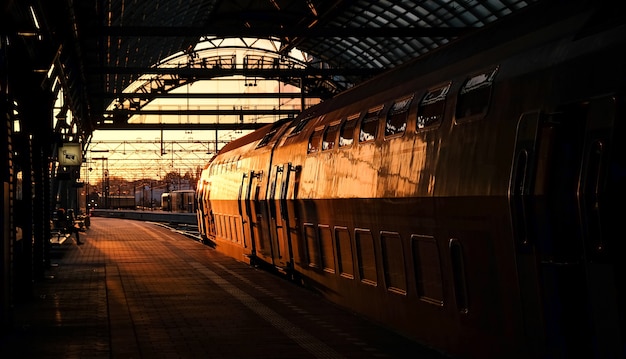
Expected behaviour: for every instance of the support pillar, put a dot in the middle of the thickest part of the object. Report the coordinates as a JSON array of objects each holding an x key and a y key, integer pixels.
[
  {"x": 6, "y": 217},
  {"x": 38, "y": 117},
  {"x": 23, "y": 208}
]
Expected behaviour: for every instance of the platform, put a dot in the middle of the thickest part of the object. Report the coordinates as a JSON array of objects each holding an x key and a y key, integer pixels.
[{"x": 138, "y": 290}]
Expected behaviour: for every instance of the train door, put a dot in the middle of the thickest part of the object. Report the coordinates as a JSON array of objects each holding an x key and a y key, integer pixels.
[
  {"x": 207, "y": 213},
  {"x": 522, "y": 212},
  {"x": 600, "y": 192},
  {"x": 254, "y": 215},
  {"x": 556, "y": 188},
  {"x": 278, "y": 216},
  {"x": 245, "y": 212},
  {"x": 203, "y": 214},
  {"x": 260, "y": 220},
  {"x": 290, "y": 214}
]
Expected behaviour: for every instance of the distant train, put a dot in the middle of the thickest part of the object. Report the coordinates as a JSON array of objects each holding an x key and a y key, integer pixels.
[
  {"x": 180, "y": 201},
  {"x": 470, "y": 200},
  {"x": 119, "y": 202}
]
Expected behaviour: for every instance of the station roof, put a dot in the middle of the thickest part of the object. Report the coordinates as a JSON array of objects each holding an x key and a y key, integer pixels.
[{"x": 99, "y": 47}]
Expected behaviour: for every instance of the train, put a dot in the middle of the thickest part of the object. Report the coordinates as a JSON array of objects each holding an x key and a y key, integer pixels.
[
  {"x": 468, "y": 199},
  {"x": 118, "y": 201},
  {"x": 179, "y": 201}
]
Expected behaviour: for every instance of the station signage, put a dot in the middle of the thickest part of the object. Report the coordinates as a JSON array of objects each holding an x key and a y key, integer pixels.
[{"x": 70, "y": 154}]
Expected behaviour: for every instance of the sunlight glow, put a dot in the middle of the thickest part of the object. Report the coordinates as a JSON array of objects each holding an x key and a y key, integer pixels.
[{"x": 135, "y": 154}]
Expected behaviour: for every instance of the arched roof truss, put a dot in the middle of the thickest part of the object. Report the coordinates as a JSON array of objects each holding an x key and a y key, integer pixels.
[
  {"x": 100, "y": 47},
  {"x": 215, "y": 58}
]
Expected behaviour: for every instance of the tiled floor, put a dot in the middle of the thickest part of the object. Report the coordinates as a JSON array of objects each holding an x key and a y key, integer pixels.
[{"x": 138, "y": 290}]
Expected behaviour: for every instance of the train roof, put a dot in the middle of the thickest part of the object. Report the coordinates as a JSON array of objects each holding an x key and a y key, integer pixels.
[
  {"x": 254, "y": 136},
  {"x": 551, "y": 20}
]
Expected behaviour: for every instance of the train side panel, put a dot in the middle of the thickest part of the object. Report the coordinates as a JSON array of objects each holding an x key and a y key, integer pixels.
[
  {"x": 486, "y": 281},
  {"x": 223, "y": 183},
  {"x": 468, "y": 206},
  {"x": 234, "y": 195}
]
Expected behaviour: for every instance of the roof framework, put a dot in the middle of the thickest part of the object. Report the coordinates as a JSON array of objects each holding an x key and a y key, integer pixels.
[
  {"x": 129, "y": 53},
  {"x": 100, "y": 47}
]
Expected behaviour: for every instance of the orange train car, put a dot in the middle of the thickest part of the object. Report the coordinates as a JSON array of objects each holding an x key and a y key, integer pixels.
[{"x": 465, "y": 199}]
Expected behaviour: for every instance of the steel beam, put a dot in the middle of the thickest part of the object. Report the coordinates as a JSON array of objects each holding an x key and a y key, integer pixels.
[
  {"x": 206, "y": 112},
  {"x": 153, "y": 95},
  {"x": 281, "y": 32},
  {"x": 181, "y": 126},
  {"x": 198, "y": 73}
]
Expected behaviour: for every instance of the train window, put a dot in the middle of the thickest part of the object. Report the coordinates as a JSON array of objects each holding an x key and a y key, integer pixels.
[
  {"x": 330, "y": 136},
  {"x": 369, "y": 125},
  {"x": 393, "y": 262},
  {"x": 366, "y": 259},
  {"x": 237, "y": 230},
  {"x": 346, "y": 136},
  {"x": 427, "y": 269},
  {"x": 311, "y": 245},
  {"x": 431, "y": 107},
  {"x": 220, "y": 227},
  {"x": 263, "y": 243},
  {"x": 344, "y": 252},
  {"x": 327, "y": 252},
  {"x": 457, "y": 261},
  {"x": 224, "y": 220},
  {"x": 473, "y": 99},
  {"x": 216, "y": 219},
  {"x": 267, "y": 138},
  {"x": 314, "y": 141},
  {"x": 299, "y": 125},
  {"x": 210, "y": 225},
  {"x": 397, "y": 117},
  {"x": 233, "y": 228},
  {"x": 227, "y": 230}
]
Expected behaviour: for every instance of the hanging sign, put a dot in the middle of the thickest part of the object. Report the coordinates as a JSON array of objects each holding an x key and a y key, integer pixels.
[{"x": 70, "y": 154}]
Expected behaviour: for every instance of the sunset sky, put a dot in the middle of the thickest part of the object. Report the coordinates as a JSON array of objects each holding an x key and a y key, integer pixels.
[{"x": 136, "y": 154}]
